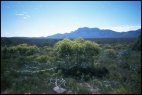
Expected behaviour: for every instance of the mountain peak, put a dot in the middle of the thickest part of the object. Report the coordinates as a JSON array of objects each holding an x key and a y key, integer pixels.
[
  {"x": 85, "y": 28},
  {"x": 86, "y": 32}
]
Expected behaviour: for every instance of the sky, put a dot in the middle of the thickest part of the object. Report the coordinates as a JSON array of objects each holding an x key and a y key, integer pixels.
[{"x": 45, "y": 18}]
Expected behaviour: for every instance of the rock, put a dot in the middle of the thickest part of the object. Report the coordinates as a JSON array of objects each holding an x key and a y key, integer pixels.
[
  {"x": 69, "y": 92},
  {"x": 27, "y": 93},
  {"x": 59, "y": 89}
]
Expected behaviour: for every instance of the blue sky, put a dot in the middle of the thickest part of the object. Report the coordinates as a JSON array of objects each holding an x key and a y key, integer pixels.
[{"x": 44, "y": 18}]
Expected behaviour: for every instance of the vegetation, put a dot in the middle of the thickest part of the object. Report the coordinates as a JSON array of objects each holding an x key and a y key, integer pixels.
[
  {"x": 81, "y": 66},
  {"x": 137, "y": 44}
]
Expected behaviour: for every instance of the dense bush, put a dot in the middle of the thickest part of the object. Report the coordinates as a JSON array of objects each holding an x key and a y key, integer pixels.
[
  {"x": 78, "y": 49},
  {"x": 79, "y": 57},
  {"x": 19, "y": 50},
  {"x": 25, "y": 49},
  {"x": 110, "y": 53},
  {"x": 137, "y": 44}
]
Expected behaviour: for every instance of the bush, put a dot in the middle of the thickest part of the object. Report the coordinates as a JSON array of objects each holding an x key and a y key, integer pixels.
[
  {"x": 137, "y": 44},
  {"x": 25, "y": 49},
  {"x": 110, "y": 53},
  {"x": 42, "y": 58},
  {"x": 120, "y": 90},
  {"x": 78, "y": 55},
  {"x": 80, "y": 50}
]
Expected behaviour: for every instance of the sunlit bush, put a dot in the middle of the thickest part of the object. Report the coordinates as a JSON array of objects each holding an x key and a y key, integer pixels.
[
  {"x": 77, "y": 49},
  {"x": 120, "y": 90},
  {"x": 25, "y": 49},
  {"x": 78, "y": 56},
  {"x": 110, "y": 53}
]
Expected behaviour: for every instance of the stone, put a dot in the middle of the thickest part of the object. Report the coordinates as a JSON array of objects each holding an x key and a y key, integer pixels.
[
  {"x": 59, "y": 89},
  {"x": 69, "y": 92}
]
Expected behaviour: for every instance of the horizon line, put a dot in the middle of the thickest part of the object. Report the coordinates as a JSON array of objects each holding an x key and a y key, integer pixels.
[{"x": 73, "y": 31}]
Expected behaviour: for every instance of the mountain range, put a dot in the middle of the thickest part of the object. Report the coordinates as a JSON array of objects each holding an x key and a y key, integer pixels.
[{"x": 86, "y": 32}]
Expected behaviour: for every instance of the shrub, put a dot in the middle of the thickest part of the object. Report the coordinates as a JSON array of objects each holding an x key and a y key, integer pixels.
[
  {"x": 110, "y": 53},
  {"x": 120, "y": 90},
  {"x": 80, "y": 50},
  {"x": 137, "y": 44},
  {"x": 78, "y": 55},
  {"x": 25, "y": 49},
  {"x": 42, "y": 58}
]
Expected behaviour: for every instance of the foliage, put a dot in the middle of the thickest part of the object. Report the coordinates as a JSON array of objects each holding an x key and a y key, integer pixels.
[
  {"x": 80, "y": 54},
  {"x": 137, "y": 44},
  {"x": 110, "y": 53},
  {"x": 25, "y": 49},
  {"x": 109, "y": 67},
  {"x": 120, "y": 90}
]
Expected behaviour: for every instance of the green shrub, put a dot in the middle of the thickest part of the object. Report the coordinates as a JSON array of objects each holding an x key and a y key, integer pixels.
[
  {"x": 79, "y": 57},
  {"x": 25, "y": 49},
  {"x": 77, "y": 49},
  {"x": 42, "y": 58},
  {"x": 110, "y": 53},
  {"x": 120, "y": 90},
  {"x": 137, "y": 44}
]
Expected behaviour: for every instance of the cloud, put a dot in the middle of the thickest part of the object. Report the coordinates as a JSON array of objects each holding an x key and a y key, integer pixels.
[
  {"x": 23, "y": 15},
  {"x": 123, "y": 28},
  {"x": 20, "y": 14},
  {"x": 5, "y": 34},
  {"x": 7, "y": 7},
  {"x": 26, "y": 16}
]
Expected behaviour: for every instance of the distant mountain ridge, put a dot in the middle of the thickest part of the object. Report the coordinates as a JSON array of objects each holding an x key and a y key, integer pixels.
[{"x": 86, "y": 32}]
